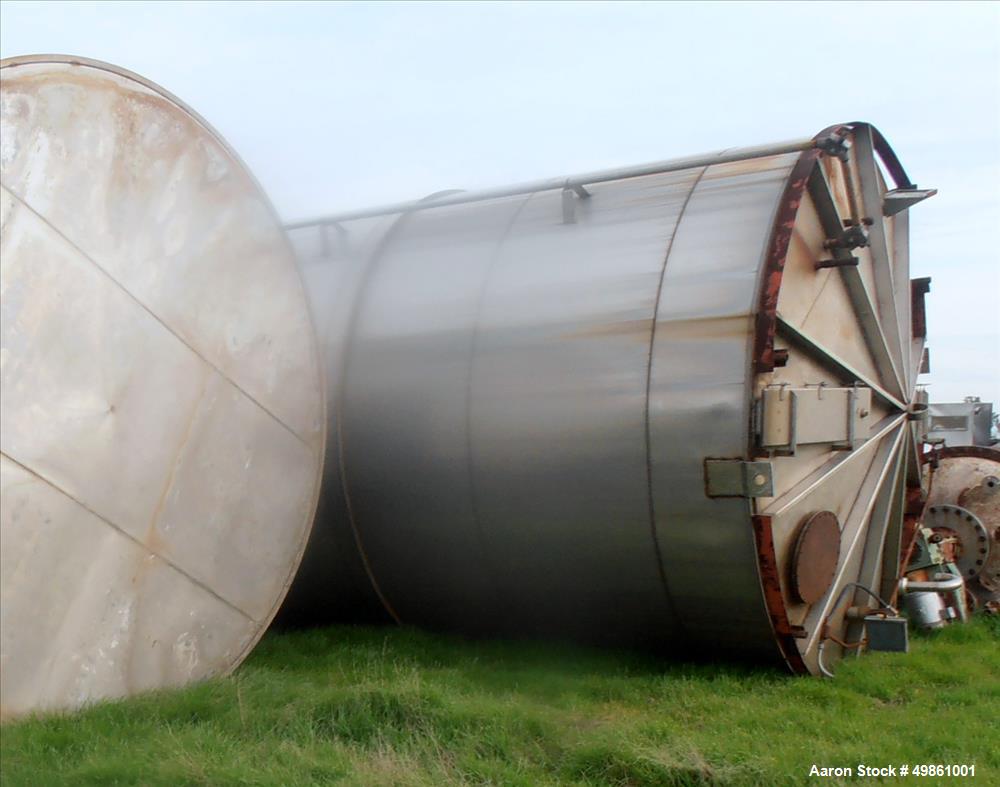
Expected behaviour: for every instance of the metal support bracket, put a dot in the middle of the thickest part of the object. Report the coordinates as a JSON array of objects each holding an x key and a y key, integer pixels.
[
  {"x": 788, "y": 417},
  {"x": 834, "y": 145},
  {"x": 853, "y": 237},
  {"x": 326, "y": 250},
  {"x": 571, "y": 193},
  {"x": 899, "y": 200},
  {"x": 738, "y": 478},
  {"x": 840, "y": 262}
]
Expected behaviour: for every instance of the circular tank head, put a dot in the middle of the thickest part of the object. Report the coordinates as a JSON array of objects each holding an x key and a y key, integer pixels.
[
  {"x": 838, "y": 344},
  {"x": 162, "y": 418}
]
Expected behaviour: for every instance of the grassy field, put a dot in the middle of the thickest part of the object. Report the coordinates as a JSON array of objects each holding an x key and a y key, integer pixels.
[{"x": 381, "y": 707}]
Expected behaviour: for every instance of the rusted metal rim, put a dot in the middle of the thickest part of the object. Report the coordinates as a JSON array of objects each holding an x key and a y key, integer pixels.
[
  {"x": 888, "y": 156},
  {"x": 964, "y": 451},
  {"x": 767, "y": 564},
  {"x": 765, "y": 328}
]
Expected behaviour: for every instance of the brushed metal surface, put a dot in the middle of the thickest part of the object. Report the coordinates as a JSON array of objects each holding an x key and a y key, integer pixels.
[
  {"x": 161, "y": 420},
  {"x": 523, "y": 400}
]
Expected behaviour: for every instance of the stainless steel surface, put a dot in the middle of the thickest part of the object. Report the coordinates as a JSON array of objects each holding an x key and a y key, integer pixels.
[
  {"x": 942, "y": 583},
  {"x": 961, "y": 423},
  {"x": 161, "y": 420},
  {"x": 576, "y": 184},
  {"x": 529, "y": 404}
]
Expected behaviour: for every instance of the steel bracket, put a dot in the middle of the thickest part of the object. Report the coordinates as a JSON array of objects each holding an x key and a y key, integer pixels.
[
  {"x": 839, "y": 262},
  {"x": 834, "y": 145},
  {"x": 738, "y": 478},
  {"x": 853, "y": 237},
  {"x": 571, "y": 194},
  {"x": 898, "y": 200}
]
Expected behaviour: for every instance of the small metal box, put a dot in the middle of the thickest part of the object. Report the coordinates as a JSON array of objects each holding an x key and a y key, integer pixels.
[{"x": 888, "y": 634}]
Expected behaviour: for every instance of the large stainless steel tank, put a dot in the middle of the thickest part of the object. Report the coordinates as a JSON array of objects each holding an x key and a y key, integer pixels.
[
  {"x": 161, "y": 418},
  {"x": 665, "y": 405}
]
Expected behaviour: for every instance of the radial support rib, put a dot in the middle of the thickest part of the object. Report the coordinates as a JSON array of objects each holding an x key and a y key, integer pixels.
[
  {"x": 829, "y": 359},
  {"x": 867, "y": 314},
  {"x": 820, "y": 475},
  {"x": 864, "y": 505},
  {"x": 885, "y": 290},
  {"x": 882, "y": 538}
]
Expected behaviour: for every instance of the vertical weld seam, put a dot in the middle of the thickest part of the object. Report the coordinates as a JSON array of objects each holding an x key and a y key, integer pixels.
[
  {"x": 657, "y": 551},
  {"x": 473, "y": 347},
  {"x": 341, "y": 391}
]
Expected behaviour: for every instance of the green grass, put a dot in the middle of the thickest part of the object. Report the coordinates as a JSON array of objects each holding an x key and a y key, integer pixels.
[{"x": 377, "y": 706}]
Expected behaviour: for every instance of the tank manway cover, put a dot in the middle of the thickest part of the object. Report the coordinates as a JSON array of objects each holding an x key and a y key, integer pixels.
[
  {"x": 817, "y": 552},
  {"x": 162, "y": 425}
]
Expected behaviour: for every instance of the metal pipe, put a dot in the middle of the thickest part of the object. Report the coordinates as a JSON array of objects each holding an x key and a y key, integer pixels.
[
  {"x": 574, "y": 182},
  {"x": 942, "y": 583}
]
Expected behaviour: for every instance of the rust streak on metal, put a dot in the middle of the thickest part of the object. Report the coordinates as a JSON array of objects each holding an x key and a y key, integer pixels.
[
  {"x": 976, "y": 451},
  {"x": 784, "y": 632},
  {"x": 777, "y": 251}
]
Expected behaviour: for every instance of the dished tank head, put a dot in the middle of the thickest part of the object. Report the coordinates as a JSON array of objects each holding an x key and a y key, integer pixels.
[
  {"x": 666, "y": 405},
  {"x": 162, "y": 421}
]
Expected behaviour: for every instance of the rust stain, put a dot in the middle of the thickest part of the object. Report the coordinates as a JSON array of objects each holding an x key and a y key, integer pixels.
[
  {"x": 784, "y": 631},
  {"x": 777, "y": 252},
  {"x": 636, "y": 329}
]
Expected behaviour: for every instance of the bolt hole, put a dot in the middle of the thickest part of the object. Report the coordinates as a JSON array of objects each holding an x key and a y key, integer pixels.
[{"x": 979, "y": 562}]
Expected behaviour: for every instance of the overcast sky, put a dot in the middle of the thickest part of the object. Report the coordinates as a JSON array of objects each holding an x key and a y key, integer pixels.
[{"x": 337, "y": 106}]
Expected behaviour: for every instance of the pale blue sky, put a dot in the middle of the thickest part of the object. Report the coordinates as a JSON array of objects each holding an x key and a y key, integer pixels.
[{"x": 338, "y": 106}]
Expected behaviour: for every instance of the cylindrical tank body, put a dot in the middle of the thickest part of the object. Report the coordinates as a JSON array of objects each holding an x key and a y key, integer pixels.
[
  {"x": 564, "y": 409},
  {"x": 161, "y": 417}
]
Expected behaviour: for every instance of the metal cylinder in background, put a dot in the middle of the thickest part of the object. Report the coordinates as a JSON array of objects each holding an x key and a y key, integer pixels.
[
  {"x": 664, "y": 406},
  {"x": 161, "y": 422}
]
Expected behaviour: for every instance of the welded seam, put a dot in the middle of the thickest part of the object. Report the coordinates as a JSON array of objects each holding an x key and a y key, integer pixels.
[
  {"x": 341, "y": 394},
  {"x": 473, "y": 348},
  {"x": 822, "y": 289},
  {"x": 130, "y": 537},
  {"x": 156, "y": 317},
  {"x": 658, "y": 552}
]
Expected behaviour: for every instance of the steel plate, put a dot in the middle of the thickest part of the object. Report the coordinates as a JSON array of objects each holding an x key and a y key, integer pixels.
[{"x": 162, "y": 421}]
